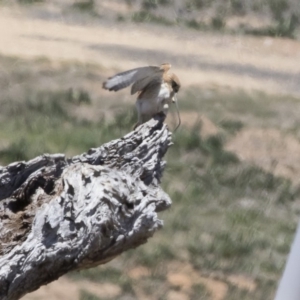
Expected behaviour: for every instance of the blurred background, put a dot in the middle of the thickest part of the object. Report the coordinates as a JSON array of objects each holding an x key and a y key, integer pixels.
[{"x": 233, "y": 172}]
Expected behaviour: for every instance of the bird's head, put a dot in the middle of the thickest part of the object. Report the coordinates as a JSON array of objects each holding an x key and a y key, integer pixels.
[
  {"x": 165, "y": 67},
  {"x": 175, "y": 83}
]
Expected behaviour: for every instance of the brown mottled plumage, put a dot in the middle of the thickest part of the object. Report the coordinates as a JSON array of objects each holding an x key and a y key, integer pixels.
[{"x": 156, "y": 89}]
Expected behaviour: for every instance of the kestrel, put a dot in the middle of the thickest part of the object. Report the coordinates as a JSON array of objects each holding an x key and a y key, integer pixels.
[{"x": 156, "y": 88}]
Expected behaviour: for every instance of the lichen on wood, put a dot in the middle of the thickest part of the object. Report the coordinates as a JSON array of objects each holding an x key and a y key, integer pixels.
[{"x": 61, "y": 214}]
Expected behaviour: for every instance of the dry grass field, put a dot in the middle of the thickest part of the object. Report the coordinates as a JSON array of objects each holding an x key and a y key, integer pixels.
[{"x": 233, "y": 172}]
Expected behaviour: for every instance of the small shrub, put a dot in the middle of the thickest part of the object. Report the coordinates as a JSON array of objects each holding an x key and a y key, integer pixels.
[
  {"x": 282, "y": 28},
  {"x": 238, "y": 7},
  {"x": 153, "y": 4},
  {"x": 217, "y": 22},
  {"x": 144, "y": 16},
  {"x": 29, "y": 1},
  {"x": 197, "y": 4},
  {"x": 87, "y": 6},
  {"x": 121, "y": 18},
  {"x": 149, "y": 4},
  {"x": 214, "y": 146},
  {"x": 278, "y": 7},
  {"x": 232, "y": 126},
  {"x": 78, "y": 96},
  {"x": 164, "y": 2},
  {"x": 194, "y": 24}
]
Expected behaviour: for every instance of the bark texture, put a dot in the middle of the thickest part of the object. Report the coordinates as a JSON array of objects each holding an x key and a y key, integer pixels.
[{"x": 59, "y": 214}]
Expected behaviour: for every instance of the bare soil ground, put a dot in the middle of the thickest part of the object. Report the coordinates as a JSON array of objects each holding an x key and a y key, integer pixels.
[
  {"x": 181, "y": 277},
  {"x": 199, "y": 59},
  {"x": 269, "y": 148},
  {"x": 66, "y": 289}
]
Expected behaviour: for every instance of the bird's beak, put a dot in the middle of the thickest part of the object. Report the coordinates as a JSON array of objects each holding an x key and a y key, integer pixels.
[{"x": 174, "y": 99}]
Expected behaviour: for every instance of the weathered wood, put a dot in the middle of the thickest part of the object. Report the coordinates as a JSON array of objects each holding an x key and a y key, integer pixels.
[{"x": 59, "y": 214}]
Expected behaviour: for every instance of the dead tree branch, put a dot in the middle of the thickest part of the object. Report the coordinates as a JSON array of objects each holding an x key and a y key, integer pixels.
[{"x": 59, "y": 214}]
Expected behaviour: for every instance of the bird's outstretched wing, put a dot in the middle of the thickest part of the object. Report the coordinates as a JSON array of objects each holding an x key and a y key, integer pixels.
[{"x": 139, "y": 77}]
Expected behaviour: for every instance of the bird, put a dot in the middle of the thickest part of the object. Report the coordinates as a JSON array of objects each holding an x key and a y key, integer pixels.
[{"x": 155, "y": 86}]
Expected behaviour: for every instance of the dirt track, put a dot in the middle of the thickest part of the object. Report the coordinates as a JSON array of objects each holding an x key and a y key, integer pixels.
[{"x": 198, "y": 58}]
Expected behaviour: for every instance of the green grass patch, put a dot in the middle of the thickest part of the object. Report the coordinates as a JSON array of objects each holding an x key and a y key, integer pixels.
[
  {"x": 105, "y": 274},
  {"x": 162, "y": 253},
  {"x": 199, "y": 291},
  {"x": 233, "y": 109},
  {"x": 228, "y": 216},
  {"x": 45, "y": 121},
  {"x": 84, "y": 295},
  {"x": 98, "y": 274}
]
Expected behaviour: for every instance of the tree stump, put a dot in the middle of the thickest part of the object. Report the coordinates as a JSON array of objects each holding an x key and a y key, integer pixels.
[{"x": 61, "y": 214}]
